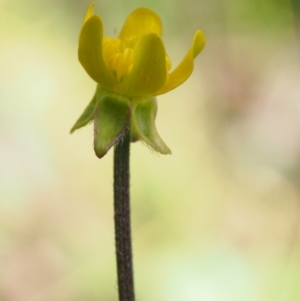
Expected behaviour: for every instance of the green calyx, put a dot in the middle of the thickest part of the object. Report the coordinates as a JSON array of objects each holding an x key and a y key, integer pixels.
[{"x": 113, "y": 114}]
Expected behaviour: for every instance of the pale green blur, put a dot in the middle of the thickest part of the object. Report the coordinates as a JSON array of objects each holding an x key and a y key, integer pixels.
[{"x": 218, "y": 220}]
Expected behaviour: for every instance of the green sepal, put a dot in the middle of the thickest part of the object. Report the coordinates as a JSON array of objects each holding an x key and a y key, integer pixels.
[
  {"x": 143, "y": 125},
  {"x": 87, "y": 115},
  {"x": 111, "y": 120}
]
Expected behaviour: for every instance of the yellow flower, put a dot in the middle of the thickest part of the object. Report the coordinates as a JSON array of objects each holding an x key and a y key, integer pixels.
[
  {"x": 135, "y": 63},
  {"x": 130, "y": 71}
]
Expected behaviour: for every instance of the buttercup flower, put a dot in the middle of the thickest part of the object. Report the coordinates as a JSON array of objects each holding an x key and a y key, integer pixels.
[{"x": 130, "y": 71}]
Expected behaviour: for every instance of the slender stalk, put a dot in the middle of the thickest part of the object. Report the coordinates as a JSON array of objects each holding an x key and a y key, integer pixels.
[{"x": 122, "y": 219}]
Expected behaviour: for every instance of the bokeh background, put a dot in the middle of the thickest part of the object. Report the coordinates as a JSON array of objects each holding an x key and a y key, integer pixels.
[{"x": 218, "y": 220}]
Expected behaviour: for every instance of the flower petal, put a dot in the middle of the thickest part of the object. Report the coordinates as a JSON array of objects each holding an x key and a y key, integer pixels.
[
  {"x": 140, "y": 22},
  {"x": 149, "y": 67},
  {"x": 112, "y": 117},
  {"x": 185, "y": 68},
  {"x": 89, "y": 13},
  {"x": 143, "y": 125},
  {"x": 90, "y": 52}
]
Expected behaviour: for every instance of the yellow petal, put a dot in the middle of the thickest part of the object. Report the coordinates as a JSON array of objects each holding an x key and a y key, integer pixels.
[
  {"x": 140, "y": 22},
  {"x": 90, "y": 52},
  {"x": 89, "y": 13},
  {"x": 149, "y": 67},
  {"x": 185, "y": 68}
]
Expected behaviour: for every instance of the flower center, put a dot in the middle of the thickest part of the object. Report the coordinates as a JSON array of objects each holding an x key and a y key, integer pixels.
[{"x": 119, "y": 58}]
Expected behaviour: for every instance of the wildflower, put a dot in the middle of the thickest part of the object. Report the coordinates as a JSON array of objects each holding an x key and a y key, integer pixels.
[{"x": 131, "y": 70}]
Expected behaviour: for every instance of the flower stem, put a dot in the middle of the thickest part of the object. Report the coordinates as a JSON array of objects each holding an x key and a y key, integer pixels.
[{"x": 122, "y": 219}]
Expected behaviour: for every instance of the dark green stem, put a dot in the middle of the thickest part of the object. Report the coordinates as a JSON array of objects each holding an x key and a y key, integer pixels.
[{"x": 122, "y": 219}]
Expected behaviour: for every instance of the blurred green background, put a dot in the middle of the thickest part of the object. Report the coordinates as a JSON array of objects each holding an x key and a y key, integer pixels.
[{"x": 218, "y": 220}]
